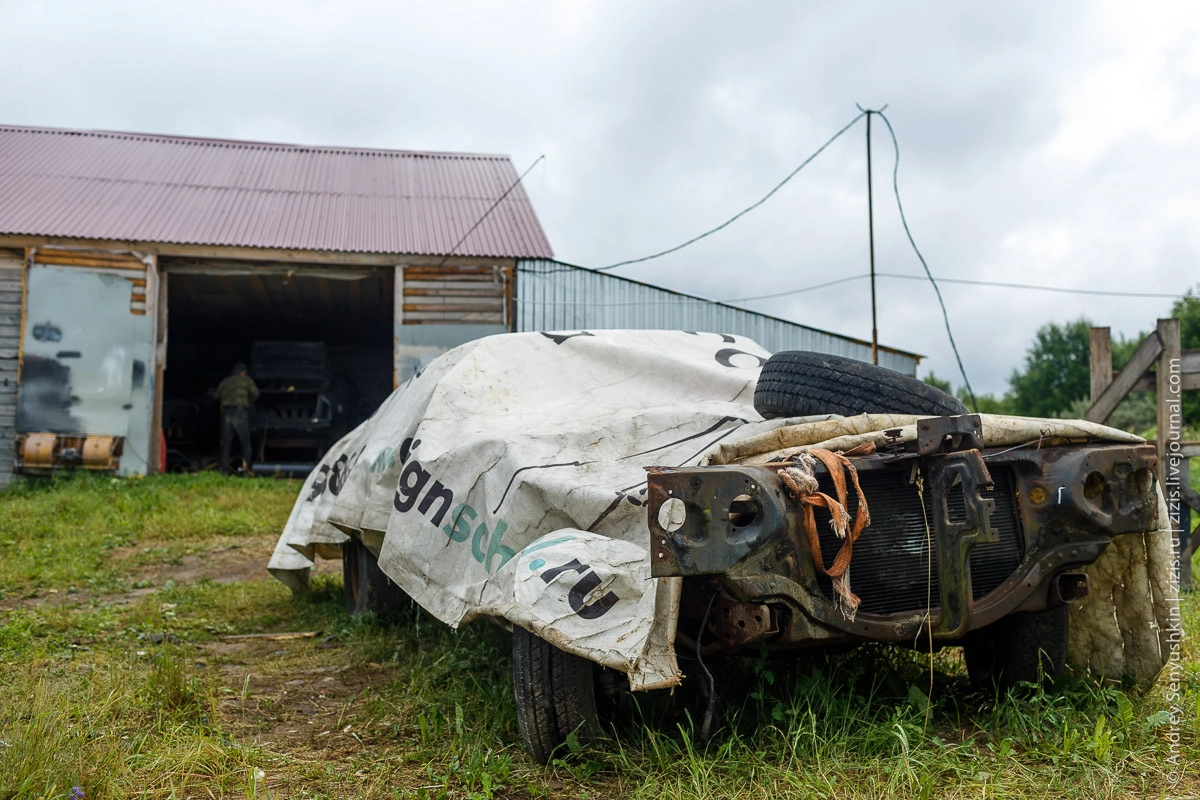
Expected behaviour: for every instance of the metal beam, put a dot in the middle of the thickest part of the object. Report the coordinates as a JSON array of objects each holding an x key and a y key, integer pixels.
[{"x": 255, "y": 253}]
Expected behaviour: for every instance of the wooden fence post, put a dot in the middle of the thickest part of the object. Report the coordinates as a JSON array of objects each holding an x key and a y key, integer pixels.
[{"x": 1101, "y": 362}]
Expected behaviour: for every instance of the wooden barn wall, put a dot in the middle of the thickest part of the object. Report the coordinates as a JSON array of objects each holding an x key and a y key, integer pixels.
[{"x": 11, "y": 269}]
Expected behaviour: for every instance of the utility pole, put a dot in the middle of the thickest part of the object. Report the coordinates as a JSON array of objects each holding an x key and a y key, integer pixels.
[{"x": 871, "y": 238}]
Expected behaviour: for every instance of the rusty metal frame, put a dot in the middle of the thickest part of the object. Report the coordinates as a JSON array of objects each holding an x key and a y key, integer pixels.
[{"x": 1071, "y": 500}]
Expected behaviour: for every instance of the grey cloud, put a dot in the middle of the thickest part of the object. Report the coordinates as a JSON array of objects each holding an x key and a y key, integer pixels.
[{"x": 662, "y": 119}]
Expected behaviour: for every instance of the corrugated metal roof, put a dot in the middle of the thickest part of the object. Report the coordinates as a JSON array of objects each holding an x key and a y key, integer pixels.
[
  {"x": 553, "y": 296},
  {"x": 174, "y": 189}
]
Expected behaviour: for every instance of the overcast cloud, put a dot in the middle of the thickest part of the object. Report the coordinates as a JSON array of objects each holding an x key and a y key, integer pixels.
[{"x": 1045, "y": 143}]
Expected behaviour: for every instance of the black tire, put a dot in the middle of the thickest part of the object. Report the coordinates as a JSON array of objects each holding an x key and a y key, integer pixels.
[
  {"x": 797, "y": 383},
  {"x": 367, "y": 587},
  {"x": 555, "y": 695},
  {"x": 1012, "y": 650}
]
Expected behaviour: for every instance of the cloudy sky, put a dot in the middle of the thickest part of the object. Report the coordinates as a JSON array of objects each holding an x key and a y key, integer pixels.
[{"x": 1042, "y": 143}]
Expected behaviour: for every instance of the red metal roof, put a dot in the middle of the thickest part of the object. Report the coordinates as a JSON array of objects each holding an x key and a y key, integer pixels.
[{"x": 175, "y": 189}]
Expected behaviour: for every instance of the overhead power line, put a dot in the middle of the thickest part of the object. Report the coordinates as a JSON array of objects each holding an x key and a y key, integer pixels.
[
  {"x": 744, "y": 211},
  {"x": 904, "y": 220},
  {"x": 999, "y": 284},
  {"x": 491, "y": 208}
]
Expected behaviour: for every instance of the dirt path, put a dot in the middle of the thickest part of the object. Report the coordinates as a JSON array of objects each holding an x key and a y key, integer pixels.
[{"x": 241, "y": 559}]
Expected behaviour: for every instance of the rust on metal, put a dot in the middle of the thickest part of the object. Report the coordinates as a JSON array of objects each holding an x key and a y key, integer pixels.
[
  {"x": 949, "y": 434},
  {"x": 740, "y": 624},
  {"x": 98, "y": 452},
  {"x": 47, "y": 452},
  {"x": 37, "y": 449},
  {"x": 741, "y": 527}
]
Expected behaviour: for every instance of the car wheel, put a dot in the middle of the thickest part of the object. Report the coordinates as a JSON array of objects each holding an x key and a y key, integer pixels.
[
  {"x": 555, "y": 695},
  {"x": 367, "y": 587},
  {"x": 1018, "y": 649},
  {"x": 797, "y": 383}
]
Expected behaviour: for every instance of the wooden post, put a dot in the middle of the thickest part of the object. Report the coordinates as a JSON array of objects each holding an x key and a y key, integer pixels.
[
  {"x": 397, "y": 322},
  {"x": 1145, "y": 357},
  {"x": 154, "y": 458},
  {"x": 1101, "y": 362}
]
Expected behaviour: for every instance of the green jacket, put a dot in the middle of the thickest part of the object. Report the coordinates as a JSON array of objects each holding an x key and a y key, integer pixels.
[{"x": 237, "y": 390}]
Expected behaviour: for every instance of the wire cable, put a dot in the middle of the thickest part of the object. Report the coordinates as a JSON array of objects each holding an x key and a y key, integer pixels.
[
  {"x": 710, "y": 708},
  {"x": 1061, "y": 289},
  {"x": 1032, "y": 287},
  {"x": 744, "y": 211},
  {"x": 903, "y": 219},
  {"x": 492, "y": 208}
]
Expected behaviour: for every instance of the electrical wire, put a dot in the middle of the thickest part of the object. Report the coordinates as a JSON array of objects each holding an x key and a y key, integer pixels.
[
  {"x": 799, "y": 291},
  {"x": 744, "y": 211},
  {"x": 903, "y": 219},
  {"x": 710, "y": 708},
  {"x": 1062, "y": 289},
  {"x": 491, "y": 208},
  {"x": 1032, "y": 287}
]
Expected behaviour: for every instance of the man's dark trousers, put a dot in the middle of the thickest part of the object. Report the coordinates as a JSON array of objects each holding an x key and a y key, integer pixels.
[{"x": 235, "y": 420}]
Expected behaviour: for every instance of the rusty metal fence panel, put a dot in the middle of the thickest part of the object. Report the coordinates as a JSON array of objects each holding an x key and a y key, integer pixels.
[{"x": 551, "y": 295}]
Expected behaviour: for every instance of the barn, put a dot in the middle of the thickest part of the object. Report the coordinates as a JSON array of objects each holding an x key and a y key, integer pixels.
[{"x": 136, "y": 269}]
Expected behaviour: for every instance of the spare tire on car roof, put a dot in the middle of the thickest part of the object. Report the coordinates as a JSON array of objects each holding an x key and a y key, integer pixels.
[{"x": 798, "y": 383}]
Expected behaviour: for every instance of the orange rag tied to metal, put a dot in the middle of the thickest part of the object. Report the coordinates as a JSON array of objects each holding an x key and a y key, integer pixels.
[{"x": 810, "y": 498}]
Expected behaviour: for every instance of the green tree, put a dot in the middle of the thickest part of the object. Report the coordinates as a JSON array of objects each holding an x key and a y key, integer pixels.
[
  {"x": 938, "y": 383},
  {"x": 1057, "y": 371},
  {"x": 987, "y": 403}
]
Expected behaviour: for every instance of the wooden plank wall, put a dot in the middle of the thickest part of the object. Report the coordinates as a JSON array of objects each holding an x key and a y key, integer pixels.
[
  {"x": 11, "y": 293},
  {"x": 456, "y": 296}
]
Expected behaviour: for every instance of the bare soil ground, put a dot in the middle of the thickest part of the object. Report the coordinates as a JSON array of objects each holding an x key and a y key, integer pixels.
[{"x": 243, "y": 559}]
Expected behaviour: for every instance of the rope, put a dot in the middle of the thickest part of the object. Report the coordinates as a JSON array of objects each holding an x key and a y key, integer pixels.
[{"x": 800, "y": 481}]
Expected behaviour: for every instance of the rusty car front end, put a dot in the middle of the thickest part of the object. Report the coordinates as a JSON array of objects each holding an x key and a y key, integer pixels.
[{"x": 960, "y": 536}]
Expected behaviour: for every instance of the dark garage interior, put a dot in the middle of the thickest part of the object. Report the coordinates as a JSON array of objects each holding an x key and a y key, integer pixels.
[{"x": 317, "y": 341}]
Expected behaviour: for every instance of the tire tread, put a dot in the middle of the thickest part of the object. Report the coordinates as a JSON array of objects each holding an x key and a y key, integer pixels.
[
  {"x": 796, "y": 383},
  {"x": 555, "y": 695}
]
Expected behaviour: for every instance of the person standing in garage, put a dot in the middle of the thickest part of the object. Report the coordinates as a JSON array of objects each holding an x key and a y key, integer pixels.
[{"x": 237, "y": 392}]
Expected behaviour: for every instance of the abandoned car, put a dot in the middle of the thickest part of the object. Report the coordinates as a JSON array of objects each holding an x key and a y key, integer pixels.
[{"x": 617, "y": 498}]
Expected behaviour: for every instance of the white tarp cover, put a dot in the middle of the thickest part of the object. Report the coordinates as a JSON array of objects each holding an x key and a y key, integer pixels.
[{"x": 507, "y": 480}]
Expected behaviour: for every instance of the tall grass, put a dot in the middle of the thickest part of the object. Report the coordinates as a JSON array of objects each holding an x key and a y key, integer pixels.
[{"x": 114, "y": 731}]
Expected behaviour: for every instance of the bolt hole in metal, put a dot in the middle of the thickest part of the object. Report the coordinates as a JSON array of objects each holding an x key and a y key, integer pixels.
[
  {"x": 1141, "y": 481},
  {"x": 1093, "y": 485},
  {"x": 743, "y": 511}
]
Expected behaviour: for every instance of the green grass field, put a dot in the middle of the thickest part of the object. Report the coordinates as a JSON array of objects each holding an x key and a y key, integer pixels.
[{"x": 121, "y": 604}]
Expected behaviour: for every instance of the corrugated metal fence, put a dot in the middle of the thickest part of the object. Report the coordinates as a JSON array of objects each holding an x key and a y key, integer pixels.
[{"x": 552, "y": 295}]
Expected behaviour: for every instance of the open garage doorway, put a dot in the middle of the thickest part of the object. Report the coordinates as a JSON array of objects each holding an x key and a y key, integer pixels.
[{"x": 316, "y": 340}]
